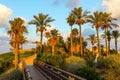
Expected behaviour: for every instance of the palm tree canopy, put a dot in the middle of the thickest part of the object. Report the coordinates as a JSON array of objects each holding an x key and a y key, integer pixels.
[
  {"x": 71, "y": 19},
  {"x": 41, "y": 21},
  {"x": 108, "y": 21},
  {"x": 17, "y": 28},
  {"x": 115, "y": 34},
  {"x": 54, "y": 33},
  {"x": 92, "y": 38},
  {"x": 96, "y": 19},
  {"x": 80, "y": 15},
  {"x": 75, "y": 32}
]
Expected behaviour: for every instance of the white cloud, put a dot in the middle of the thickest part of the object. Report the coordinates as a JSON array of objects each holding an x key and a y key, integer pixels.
[
  {"x": 73, "y": 3},
  {"x": 5, "y": 14},
  {"x": 112, "y": 6}
]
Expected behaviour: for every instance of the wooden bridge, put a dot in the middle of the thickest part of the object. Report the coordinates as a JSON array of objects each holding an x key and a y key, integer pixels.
[{"x": 36, "y": 70}]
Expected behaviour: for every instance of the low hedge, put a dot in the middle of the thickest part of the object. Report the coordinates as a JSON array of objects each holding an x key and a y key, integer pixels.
[{"x": 14, "y": 74}]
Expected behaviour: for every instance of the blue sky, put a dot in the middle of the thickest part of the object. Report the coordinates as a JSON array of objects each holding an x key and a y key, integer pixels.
[{"x": 57, "y": 9}]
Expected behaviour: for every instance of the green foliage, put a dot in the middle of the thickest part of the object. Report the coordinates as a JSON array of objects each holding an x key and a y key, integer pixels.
[
  {"x": 88, "y": 73},
  {"x": 89, "y": 59},
  {"x": 26, "y": 54},
  {"x": 72, "y": 63},
  {"x": 15, "y": 74},
  {"x": 113, "y": 74},
  {"x": 109, "y": 62},
  {"x": 55, "y": 60}
]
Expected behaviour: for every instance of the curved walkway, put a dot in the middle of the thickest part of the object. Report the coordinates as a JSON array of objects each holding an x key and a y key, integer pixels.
[{"x": 35, "y": 74}]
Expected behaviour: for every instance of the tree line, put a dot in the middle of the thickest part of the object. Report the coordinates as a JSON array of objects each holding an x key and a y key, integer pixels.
[{"x": 75, "y": 43}]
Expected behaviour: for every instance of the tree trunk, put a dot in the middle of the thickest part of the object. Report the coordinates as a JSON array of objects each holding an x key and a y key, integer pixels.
[
  {"x": 92, "y": 49},
  {"x": 41, "y": 47},
  {"x": 99, "y": 53},
  {"x": 80, "y": 39},
  {"x": 106, "y": 41},
  {"x": 53, "y": 50},
  {"x": 116, "y": 45},
  {"x": 109, "y": 47},
  {"x": 71, "y": 43},
  {"x": 16, "y": 55}
]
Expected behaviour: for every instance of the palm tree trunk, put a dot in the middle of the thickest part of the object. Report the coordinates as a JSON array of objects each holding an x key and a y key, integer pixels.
[
  {"x": 53, "y": 50},
  {"x": 71, "y": 43},
  {"x": 116, "y": 45},
  {"x": 109, "y": 47},
  {"x": 16, "y": 55},
  {"x": 106, "y": 41},
  {"x": 41, "y": 37},
  {"x": 92, "y": 49},
  {"x": 98, "y": 42},
  {"x": 80, "y": 39}
]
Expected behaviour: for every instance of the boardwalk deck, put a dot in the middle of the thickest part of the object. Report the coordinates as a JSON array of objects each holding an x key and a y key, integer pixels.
[{"x": 35, "y": 74}]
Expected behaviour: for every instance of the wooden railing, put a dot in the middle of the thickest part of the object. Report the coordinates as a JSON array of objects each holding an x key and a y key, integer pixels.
[{"x": 59, "y": 72}]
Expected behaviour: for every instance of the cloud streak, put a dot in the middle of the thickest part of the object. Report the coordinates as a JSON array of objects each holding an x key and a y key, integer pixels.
[
  {"x": 113, "y": 7},
  {"x": 5, "y": 14}
]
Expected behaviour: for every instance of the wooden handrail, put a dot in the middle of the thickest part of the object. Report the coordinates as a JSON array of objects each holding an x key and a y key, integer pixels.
[{"x": 61, "y": 72}]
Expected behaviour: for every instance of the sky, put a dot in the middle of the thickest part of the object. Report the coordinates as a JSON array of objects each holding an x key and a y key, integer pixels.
[{"x": 57, "y": 9}]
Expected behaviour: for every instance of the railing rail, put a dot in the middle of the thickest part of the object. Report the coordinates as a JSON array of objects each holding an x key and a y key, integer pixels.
[{"x": 65, "y": 74}]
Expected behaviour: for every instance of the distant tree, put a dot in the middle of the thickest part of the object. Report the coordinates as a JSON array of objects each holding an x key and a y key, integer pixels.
[
  {"x": 115, "y": 35},
  {"x": 41, "y": 21},
  {"x": 93, "y": 40},
  {"x": 71, "y": 22},
  {"x": 108, "y": 23}
]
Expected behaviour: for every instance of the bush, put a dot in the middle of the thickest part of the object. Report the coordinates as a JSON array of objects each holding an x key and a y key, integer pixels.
[
  {"x": 72, "y": 63},
  {"x": 109, "y": 62},
  {"x": 88, "y": 73},
  {"x": 112, "y": 74},
  {"x": 55, "y": 60},
  {"x": 15, "y": 74},
  {"x": 89, "y": 59}
]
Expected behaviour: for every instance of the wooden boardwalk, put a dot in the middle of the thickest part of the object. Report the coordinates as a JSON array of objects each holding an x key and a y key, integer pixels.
[{"x": 35, "y": 74}]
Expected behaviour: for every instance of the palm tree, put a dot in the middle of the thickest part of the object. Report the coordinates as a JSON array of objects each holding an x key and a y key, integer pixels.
[
  {"x": 23, "y": 40},
  {"x": 96, "y": 20},
  {"x": 80, "y": 20},
  {"x": 84, "y": 44},
  {"x": 41, "y": 21},
  {"x": 93, "y": 40},
  {"x": 109, "y": 35},
  {"x": 53, "y": 40},
  {"x": 107, "y": 19},
  {"x": 116, "y": 34},
  {"x": 71, "y": 21},
  {"x": 16, "y": 32}
]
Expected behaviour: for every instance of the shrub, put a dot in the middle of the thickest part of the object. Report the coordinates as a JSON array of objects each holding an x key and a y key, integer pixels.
[
  {"x": 88, "y": 73},
  {"x": 89, "y": 59},
  {"x": 15, "y": 74},
  {"x": 72, "y": 63},
  {"x": 55, "y": 60},
  {"x": 109, "y": 62},
  {"x": 112, "y": 74}
]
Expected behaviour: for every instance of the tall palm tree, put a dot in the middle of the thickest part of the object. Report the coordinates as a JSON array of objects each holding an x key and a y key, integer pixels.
[
  {"x": 16, "y": 32},
  {"x": 116, "y": 34},
  {"x": 93, "y": 40},
  {"x": 71, "y": 22},
  {"x": 108, "y": 23},
  {"x": 96, "y": 20},
  {"x": 41, "y": 21},
  {"x": 80, "y": 20}
]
